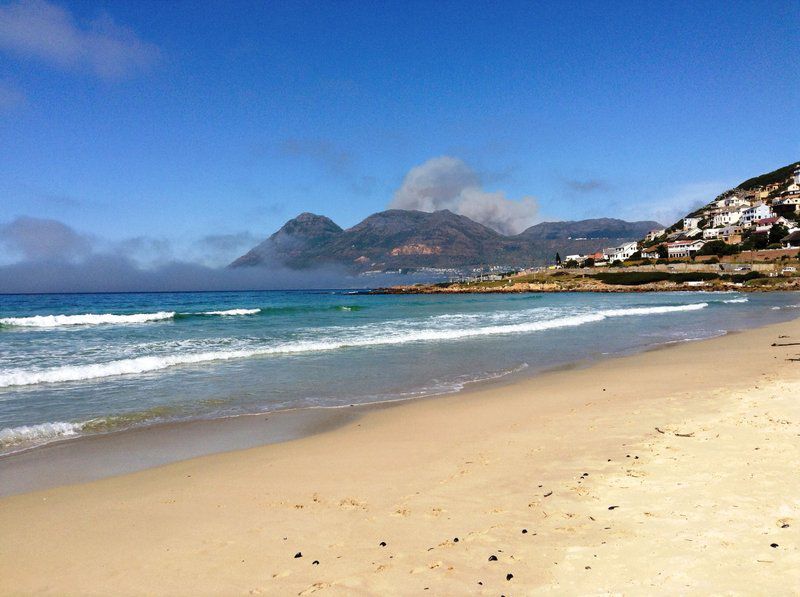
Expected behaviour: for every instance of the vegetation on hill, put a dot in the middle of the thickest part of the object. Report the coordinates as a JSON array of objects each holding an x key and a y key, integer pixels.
[{"x": 778, "y": 175}]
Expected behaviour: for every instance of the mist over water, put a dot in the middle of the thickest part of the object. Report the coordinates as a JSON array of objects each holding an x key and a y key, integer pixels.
[{"x": 79, "y": 364}]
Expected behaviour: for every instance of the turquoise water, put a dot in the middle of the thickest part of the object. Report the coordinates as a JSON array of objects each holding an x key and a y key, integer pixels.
[{"x": 72, "y": 365}]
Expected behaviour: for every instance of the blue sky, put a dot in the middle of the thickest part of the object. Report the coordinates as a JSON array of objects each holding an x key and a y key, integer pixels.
[{"x": 186, "y": 130}]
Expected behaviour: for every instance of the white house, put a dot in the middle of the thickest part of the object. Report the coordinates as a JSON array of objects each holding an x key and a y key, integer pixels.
[
  {"x": 732, "y": 201},
  {"x": 760, "y": 211},
  {"x": 651, "y": 253},
  {"x": 684, "y": 248},
  {"x": 691, "y": 223},
  {"x": 727, "y": 217},
  {"x": 654, "y": 234},
  {"x": 622, "y": 252},
  {"x": 711, "y": 233}
]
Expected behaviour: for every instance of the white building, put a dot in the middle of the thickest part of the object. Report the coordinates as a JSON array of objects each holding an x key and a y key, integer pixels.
[
  {"x": 759, "y": 211},
  {"x": 711, "y": 233},
  {"x": 622, "y": 252},
  {"x": 726, "y": 218},
  {"x": 654, "y": 234},
  {"x": 691, "y": 223},
  {"x": 684, "y": 248},
  {"x": 732, "y": 201},
  {"x": 650, "y": 253}
]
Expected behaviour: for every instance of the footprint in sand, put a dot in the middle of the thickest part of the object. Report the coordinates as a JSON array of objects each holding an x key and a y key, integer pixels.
[{"x": 317, "y": 586}]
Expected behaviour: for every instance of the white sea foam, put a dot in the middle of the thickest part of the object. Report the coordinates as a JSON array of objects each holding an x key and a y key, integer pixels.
[
  {"x": 11, "y": 436},
  {"x": 380, "y": 336},
  {"x": 743, "y": 299},
  {"x": 233, "y": 312},
  {"x": 51, "y": 321}
]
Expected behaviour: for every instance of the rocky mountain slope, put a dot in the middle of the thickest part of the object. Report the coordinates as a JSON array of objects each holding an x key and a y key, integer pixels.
[{"x": 401, "y": 239}]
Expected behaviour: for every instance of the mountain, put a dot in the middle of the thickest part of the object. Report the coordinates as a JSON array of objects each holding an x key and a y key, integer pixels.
[
  {"x": 403, "y": 239},
  {"x": 304, "y": 236},
  {"x": 601, "y": 228}
]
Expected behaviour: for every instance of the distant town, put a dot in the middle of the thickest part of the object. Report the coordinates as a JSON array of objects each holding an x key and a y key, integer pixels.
[{"x": 762, "y": 221}]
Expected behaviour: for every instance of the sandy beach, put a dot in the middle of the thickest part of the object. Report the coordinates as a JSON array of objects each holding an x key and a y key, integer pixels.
[{"x": 672, "y": 471}]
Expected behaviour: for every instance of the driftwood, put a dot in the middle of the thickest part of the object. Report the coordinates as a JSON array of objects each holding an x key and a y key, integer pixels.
[{"x": 786, "y": 344}]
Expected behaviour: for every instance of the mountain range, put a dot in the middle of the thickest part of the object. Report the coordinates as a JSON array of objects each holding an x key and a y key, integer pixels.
[{"x": 402, "y": 239}]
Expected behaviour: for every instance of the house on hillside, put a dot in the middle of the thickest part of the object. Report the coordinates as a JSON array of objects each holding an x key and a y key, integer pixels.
[
  {"x": 684, "y": 248},
  {"x": 711, "y": 233},
  {"x": 690, "y": 223},
  {"x": 759, "y": 211},
  {"x": 651, "y": 253},
  {"x": 726, "y": 217},
  {"x": 654, "y": 234},
  {"x": 766, "y": 224},
  {"x": 729, "y": 202},
  {"x": 622, "y": 252},
  {"x": 731, "y": 234},
  {"x": 791, "y": 241}
]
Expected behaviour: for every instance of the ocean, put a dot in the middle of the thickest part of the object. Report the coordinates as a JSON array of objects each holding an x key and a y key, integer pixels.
[{"x": 79, "y": 364}]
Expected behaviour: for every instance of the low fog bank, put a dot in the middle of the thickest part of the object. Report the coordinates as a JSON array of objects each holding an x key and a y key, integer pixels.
[{"x": 114, "y": 274}]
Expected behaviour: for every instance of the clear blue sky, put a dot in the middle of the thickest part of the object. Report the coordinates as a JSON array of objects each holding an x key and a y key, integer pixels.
[{"x": 178, "y": 120}]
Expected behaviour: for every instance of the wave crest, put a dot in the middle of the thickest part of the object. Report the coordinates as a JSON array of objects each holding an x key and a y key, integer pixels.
[
  {"x": 148, "y": 364},
  {"x": 11, "y": 436}
]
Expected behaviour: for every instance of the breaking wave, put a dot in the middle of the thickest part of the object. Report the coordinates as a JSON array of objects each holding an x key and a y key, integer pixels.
[
  {"x": 91, "y": 319},
  {"x": 742, "y": 299},
  {"x": 146, "y": 364},
  {"x": 51, "y": 321},
  {"x": 230, "y": 312},
  {"x": 11, "y": 436}
]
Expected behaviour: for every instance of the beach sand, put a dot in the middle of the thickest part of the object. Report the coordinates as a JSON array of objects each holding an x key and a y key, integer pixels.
[{"x": 673, "y": 471}]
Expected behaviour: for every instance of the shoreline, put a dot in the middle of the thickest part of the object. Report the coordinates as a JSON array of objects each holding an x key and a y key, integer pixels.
[
  {"x": 95, "y": 456},
  {"x": 663, "y": 471}
]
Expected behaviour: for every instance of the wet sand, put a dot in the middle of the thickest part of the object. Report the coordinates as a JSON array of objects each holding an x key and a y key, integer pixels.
[{"x": 671, "y": 471}]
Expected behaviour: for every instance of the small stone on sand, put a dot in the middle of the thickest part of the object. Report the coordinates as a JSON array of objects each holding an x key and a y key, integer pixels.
[
  {"x": 299, "y": 554},
  {"x": 492, "y": 558}
]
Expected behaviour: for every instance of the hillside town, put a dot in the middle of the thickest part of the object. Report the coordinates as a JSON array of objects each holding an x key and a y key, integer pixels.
[{"x": 761, "y": 217}]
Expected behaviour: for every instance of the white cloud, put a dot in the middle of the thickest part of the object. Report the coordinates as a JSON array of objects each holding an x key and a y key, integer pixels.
[
  {"x": 448, "y": 183},
  {"x": 44, "y": 31}
]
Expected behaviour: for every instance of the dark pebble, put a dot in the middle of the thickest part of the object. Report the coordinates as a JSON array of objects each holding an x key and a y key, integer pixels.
[
  {"x": 480, "y": 583},
  {"x": 524, "y": 531},
  {"x": 455, "y": 539},
  {"x": 509, "y": 576},
  {"x": 299, "y": 554},
  {"x": 315, "y": 563},
  {"x": 773, "y": 545},
  {"x": 612, "y": 507},
  {"x": 492, "y": 558},
  {"x": 382, "y": 543},
  {"x": 785, "y": 525},
  {"x": 587, "y": 568},
  {"x": 548, "y": 494}
]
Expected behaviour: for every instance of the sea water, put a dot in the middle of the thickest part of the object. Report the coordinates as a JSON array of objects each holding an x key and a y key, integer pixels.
[{"x": 78, "y": 364}]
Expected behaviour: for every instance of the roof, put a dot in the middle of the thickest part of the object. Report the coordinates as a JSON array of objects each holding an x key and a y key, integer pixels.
[
  {"x": 765, "y": 221},
  {"x": 794, "y": 236},
  {"x": 683, "y": 243}
]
